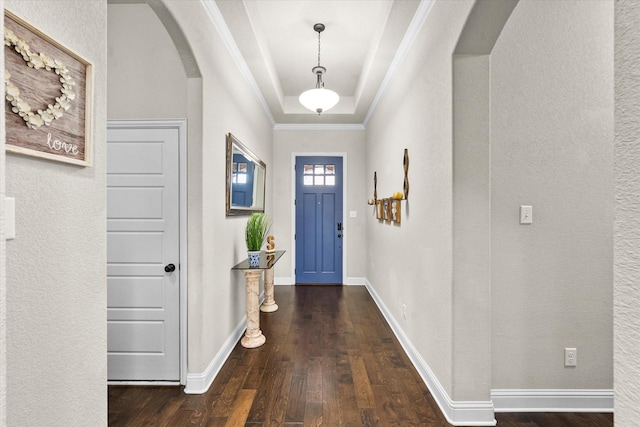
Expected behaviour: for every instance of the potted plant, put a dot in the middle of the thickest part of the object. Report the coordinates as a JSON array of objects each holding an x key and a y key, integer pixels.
[{"x": 256, "y": 231}]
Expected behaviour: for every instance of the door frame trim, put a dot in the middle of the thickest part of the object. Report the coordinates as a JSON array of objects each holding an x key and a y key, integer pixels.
[
  {"x": 181, "y": 126},
  {"x": 345, "y": 236}
]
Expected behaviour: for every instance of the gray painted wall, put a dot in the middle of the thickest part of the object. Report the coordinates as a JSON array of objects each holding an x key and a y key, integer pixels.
[
  {"x": 144, "y": 66},
  {"x": 551, "y": 118},
  {"x": 412, "y": 264},
  {"x": 551, "y": 147}
]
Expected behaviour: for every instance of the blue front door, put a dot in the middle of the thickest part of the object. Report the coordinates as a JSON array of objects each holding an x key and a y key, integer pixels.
[{"x": 319, "y": 219}]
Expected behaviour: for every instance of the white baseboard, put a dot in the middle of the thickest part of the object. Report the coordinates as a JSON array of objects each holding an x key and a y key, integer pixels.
[
  {"x": 284, "y": 281},
  {"x": 150, "y": 383},
  {"x": 456, "y": 413},
  {"x": 199, "y": 382},
  {"x": 358, "y": 281},
  {"x": 288, "y": 281},
  {"x": 355, "y": 281},
  {"x": 513, "y": 400}
]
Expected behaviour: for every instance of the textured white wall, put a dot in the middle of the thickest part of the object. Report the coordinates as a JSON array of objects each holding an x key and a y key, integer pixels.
[
  {"x": 350, "y": 142},
  {"x": 627, "y": 224},
  {"x": 3, "y": 274},
  {"x": 56, "y": 266},
  {"x": 552, "y": 135}
]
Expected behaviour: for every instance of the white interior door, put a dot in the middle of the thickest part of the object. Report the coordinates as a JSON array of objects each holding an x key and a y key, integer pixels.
[{"x": 143, "y": 242}]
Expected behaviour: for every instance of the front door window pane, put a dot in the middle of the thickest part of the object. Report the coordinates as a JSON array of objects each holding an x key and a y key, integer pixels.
[{"x": 320, "y": 175}]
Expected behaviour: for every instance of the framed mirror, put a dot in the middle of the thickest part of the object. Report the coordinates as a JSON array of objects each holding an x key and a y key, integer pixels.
[{"x": 246, "y": 175}]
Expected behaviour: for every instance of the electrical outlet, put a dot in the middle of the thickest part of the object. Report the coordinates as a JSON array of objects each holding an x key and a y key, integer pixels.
[
  {"x": 570, "y": 357},
  {"x": 404, "y": 311}
]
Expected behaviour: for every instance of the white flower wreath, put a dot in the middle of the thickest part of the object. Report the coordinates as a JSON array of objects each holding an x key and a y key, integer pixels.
[{"x": 37, "y": 61}]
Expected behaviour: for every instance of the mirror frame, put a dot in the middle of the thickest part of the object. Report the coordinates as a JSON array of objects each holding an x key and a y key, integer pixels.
[{"x": 233, "y": 142}]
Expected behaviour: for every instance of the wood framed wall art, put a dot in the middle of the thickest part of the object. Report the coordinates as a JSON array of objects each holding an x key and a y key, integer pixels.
[
  {"x": 395, "y": 206},
  {"x": 48, "y": 89},
  {"x": 379, "y": 209},
  {"x": 387, "y": 209}
]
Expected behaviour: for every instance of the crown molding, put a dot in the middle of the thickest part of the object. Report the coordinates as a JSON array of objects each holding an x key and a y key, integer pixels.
[
  {"x": 220, "y": 25},
  {"x": 320, "y": 126},
  {"x": 407, "y": 41}
]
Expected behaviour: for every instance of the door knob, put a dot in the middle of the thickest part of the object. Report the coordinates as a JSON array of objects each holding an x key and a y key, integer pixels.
[{"x": 169, "y": 268}]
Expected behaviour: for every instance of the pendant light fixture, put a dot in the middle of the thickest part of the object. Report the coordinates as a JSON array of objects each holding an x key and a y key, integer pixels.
[{"x": 319, "y": 99}]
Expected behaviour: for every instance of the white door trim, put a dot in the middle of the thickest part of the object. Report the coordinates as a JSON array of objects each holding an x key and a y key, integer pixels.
[
  {"x": 181, "y": 126},
  {"x": 345, "y": 233}
]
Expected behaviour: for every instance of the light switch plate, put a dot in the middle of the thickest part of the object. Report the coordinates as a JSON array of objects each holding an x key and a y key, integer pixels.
[
  {"x": 10, "y": 218},
  {"x": 353, "y": 214},
  {"x": 526, "y": 214}
]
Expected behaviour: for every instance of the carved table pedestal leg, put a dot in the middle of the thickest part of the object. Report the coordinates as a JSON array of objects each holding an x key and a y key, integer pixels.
[
  {"x": 269, "y": 304},
  {"x": 253, "y": 336}
]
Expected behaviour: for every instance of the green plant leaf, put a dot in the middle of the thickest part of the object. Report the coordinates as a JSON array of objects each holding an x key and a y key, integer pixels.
[{"x": 256, "y": 231}]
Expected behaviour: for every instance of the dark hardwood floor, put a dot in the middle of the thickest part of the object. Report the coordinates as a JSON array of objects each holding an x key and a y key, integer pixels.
[{"x": 330, "y": 359}]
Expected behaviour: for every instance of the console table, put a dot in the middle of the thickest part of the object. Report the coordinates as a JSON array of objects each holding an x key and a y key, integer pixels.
[{"x": 253, "y": 336}]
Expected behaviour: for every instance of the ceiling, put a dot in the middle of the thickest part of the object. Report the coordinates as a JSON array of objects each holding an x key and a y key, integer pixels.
[{"x": 275, "y": 44}]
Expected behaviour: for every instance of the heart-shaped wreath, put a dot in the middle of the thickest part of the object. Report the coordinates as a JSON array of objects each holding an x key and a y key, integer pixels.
[{"x": 37, "y": 61}]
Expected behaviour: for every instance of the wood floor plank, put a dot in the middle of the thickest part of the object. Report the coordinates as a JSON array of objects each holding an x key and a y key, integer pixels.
[
  {"x": 330, "y": 360},
  {"x": 314, "y": 381},
  {"x": 240, "y": 409},
  {"x": 273, "y": 391},
  {"x": 280, "y": 399},
  {"x": 313, "y": 414},
  {"x": 297, "y": 399},
  {"x": 224, "y": 406},
  {"x": 364, "y": 394},
  {"x": 330, "y": 398}
]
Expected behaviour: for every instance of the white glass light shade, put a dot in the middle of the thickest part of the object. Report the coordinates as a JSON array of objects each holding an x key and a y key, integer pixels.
[{"x": 319, "y": 100}]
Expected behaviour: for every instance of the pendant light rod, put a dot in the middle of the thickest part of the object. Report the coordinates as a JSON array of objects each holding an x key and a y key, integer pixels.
[
  {"x": 319, "y": 70},
  {"x": 318, "y": 28}
]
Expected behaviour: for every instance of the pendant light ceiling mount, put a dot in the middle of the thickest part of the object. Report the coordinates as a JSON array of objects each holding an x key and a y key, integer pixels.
[{"x": 319, "y": 99}]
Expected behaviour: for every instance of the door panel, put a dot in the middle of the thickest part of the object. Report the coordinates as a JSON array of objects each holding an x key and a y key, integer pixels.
[
  {"x": 135, "y": 292},
  {"x": 135, "y": 203},
  {"x": 143, "y": 301},
  {"x": 318, "y": 213},
  {"x": 329, "y": 226},
  {"x": 134, "y": 247},
  {"x": 149, "y": 336}
]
